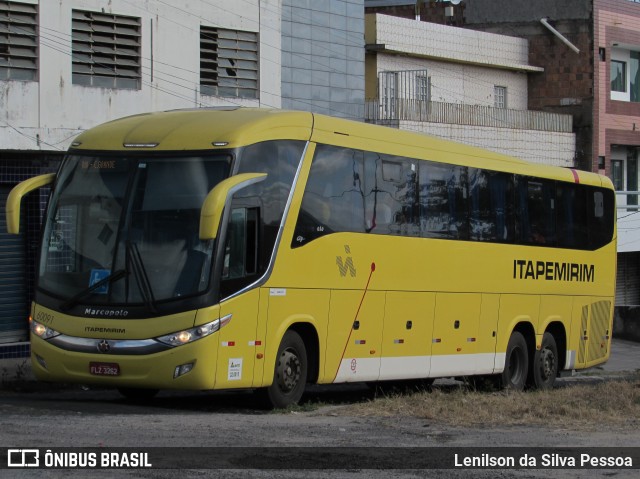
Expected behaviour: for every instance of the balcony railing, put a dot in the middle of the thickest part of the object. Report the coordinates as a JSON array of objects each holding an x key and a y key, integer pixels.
[
  {"x": 390, "y": 111},
  {"x": 629, "y": 200}
]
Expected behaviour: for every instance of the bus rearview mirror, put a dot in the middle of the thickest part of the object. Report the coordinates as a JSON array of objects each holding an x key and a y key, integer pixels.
[
  {"x": 14, "y": 199},
  {"x": 213, "y": 206}
]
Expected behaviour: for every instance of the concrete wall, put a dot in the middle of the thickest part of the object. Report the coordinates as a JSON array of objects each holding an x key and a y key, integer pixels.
[
  {"x": 547, "y": 148},
  {"x": 323, "y": 57},
  {"x": 451, "y": 43},
  {"x": 462, "y": 83},
  {"x": 46, "y": 114}
]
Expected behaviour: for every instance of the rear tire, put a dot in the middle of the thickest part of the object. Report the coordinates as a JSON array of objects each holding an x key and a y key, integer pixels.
[
  {"x": 516, "y": 363},
  {"x": 544, "y": 369},
  {"x": 289, "y": 375}
]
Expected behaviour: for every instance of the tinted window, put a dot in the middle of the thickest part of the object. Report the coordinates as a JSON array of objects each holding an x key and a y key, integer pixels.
[
  {"x": 536, "y": 211},
  {"x": 350, "y": 190},
  {"x": 334, "y": 198},
  {"x": 572, "y": 216},
  {"x": 491, "y": 206},
  {"x": 257, "y": 211},
  {"x": 443, "y": 201},
  {"x": 600, "y": 211},
  {"x": 390, "y": 189}
]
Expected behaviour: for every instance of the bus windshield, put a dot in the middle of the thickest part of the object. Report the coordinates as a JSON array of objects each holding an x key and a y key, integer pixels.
[{"x": 124, "y": 230}]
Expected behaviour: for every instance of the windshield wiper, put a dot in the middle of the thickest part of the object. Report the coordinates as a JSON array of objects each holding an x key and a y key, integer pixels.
[
  {"x": 140, "y": 274},
  {"x": 115, "y": 276}
]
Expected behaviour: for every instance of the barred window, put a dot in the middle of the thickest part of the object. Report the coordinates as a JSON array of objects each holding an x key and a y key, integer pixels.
[
  {"x": 228, "y": 63},
  {"x": 106, "y": 50},
  {"x": 18, "y": 41}
]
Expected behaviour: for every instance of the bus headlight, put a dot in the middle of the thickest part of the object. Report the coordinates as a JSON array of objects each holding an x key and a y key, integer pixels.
[
  {"x": 42, "y": 331},
  {"x": 190, "y": 335}
]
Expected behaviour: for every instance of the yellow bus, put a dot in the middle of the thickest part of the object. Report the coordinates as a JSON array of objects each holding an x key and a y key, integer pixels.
[{"x": 248, "y": 248}]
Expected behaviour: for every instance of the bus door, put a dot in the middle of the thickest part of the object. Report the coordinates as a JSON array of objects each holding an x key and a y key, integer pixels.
[
  {"x": 455, "y": 334},
  {"x": 354, "y": 339},
  {"x": 239, "y": 341},
  {"x": 408, "y": 324}
]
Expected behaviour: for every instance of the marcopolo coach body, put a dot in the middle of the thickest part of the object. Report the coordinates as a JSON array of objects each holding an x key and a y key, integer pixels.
[{"x": 248, "y": 248}]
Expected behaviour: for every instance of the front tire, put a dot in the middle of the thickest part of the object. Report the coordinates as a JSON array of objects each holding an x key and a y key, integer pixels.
[
  {"x": 545, "y": 363},
  {"x": 290, "y": 373},
  {"x": 516, "y": 365}
]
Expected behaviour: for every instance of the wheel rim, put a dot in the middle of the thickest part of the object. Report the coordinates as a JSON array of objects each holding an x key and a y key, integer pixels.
[
  {"x": 547, "y": 364},
  {"x": 289, "y": 371}
]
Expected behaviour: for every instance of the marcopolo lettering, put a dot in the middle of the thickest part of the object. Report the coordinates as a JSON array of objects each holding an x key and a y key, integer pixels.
[
  {"x": 115, "y": 313},
  {"x": 553, "y": 271}
]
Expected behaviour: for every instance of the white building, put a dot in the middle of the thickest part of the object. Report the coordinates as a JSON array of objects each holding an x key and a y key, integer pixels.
[
  {"x": 72, "y": 64},
  {"x": 460, "y": 84}
]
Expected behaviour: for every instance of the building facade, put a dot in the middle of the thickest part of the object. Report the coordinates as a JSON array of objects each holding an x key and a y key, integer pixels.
[
  {"x": 592, "y": 71},
  {"x": 323, "y": 57},
  {"x": 460, "y": 84}
]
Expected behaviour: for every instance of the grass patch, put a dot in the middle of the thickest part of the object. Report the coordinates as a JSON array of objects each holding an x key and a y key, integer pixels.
[{"x": 605, "y": 404}]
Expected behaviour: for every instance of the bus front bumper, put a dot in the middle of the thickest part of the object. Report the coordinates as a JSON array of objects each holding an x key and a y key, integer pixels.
[{"x": 190, "y": 366}]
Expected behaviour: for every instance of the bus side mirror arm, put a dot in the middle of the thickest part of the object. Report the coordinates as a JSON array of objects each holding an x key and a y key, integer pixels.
[
  {"x": 213, "y": 206},
  {"x": 14, "y": 199}
]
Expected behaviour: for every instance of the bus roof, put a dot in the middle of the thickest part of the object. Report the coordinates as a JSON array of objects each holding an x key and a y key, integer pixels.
[{"x": 230, "y": 127}]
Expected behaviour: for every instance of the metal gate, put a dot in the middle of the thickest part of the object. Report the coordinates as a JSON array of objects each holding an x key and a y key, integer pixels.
[{"x": 13, "y": 279}]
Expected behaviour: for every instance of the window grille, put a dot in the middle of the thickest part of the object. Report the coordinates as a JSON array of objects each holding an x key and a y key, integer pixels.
[
  {"x": 18, "y": 41},
  {"x": 106, "y": 50},
  {"x": 228, "y": 63}
]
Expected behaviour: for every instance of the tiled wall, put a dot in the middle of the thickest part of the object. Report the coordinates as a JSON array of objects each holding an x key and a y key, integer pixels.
[
  {"x": 323, "y": 57},
  {"x": 14, "y": 168},
  {"x": 543, "y": 147},
  {"x": 452, "y": 44},
  {"x": 15, "y": 351}
]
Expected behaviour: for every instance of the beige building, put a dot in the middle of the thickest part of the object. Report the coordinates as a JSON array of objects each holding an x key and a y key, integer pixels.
[{"x": 460, "y": 84}]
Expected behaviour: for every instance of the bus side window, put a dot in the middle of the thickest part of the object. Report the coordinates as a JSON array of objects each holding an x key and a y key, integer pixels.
[
  {"x": 537, "y": 211},
  {"x": 333, "y": 198},
  {"x": 391, "y": 195},
  {"x": 443, "y": 201},
  {"x": 601, "y": 211},
  {"x": 491, "y": 217},
  {"x": 241, "y": 249},
  {"x": 572, "y": 216}
]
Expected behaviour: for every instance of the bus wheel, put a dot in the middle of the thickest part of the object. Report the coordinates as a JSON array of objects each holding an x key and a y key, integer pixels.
[
  {"x": 137, "y": 394},
  {"x": 516, "y": 363},
  {"x": 545, "y": 363},
  {"x": 290, "y": 373}
]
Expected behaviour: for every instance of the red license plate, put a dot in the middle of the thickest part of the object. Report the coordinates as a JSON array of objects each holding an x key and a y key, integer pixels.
[{"x": 104, "y": 369}]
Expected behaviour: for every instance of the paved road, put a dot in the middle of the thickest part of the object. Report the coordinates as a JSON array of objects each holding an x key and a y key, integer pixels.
[
  {"x": 102, "y": 419},
  {"x": 625, "y": 356}
]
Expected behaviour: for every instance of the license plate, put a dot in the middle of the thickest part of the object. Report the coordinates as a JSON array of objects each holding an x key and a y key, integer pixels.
[{"x": 104, "y": 369}]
